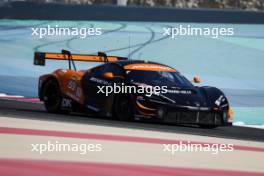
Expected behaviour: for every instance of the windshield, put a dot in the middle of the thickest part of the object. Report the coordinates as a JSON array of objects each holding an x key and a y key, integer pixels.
[{"x": 158, "y": 78}]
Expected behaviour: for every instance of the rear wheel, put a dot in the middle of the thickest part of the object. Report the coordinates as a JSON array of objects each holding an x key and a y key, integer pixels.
[
  {"x": 52, "y": 96},
  {"x": 122, "y": 108}
]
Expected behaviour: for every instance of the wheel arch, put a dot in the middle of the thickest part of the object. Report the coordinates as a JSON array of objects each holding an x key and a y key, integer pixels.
[
  {"x": 212, "y": 94},
  {"x": 114, "y": 101},
  {"x": 42, "y": 82}
]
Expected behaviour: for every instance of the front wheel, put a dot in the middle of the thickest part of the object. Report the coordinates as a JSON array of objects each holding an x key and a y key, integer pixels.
[{"x": 123, "y": 108}]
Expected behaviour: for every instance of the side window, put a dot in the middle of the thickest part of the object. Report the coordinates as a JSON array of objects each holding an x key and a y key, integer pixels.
[
  {"x": 109, "y": 67},
  {"x": 97, "y": 71},
  {"x": 116, "y": 70}
]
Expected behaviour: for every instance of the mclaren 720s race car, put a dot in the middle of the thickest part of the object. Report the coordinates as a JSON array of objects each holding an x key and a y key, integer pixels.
[{"x": 177, "y": 100}]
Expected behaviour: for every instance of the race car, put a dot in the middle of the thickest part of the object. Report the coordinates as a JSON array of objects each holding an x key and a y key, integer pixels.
[{"x": 165, "y": 96}]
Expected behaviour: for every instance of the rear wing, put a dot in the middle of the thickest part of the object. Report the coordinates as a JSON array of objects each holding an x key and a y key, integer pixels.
[{"x": 41, "y": 57}]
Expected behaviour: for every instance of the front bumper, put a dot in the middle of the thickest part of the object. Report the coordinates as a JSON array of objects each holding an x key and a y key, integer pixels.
[
  {"x": 199, "y": 116},
  {"x": 179, "y": 114}
]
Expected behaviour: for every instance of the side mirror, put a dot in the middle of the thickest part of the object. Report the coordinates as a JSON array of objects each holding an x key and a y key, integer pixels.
[
  {"x": 108, "y": 75},
  {"x": 196, "y": 79}
]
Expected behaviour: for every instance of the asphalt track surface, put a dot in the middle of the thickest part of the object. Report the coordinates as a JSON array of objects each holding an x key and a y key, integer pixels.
[
  {"x": 28, "y": 110},
  {"x": 128, "y": 148}
]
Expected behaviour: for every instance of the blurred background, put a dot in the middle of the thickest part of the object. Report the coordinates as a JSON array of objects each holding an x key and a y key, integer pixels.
[{"x": 252, "y": 5}]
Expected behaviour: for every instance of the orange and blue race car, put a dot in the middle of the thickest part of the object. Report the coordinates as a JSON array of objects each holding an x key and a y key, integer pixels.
[{"x": 177, "y": 100}]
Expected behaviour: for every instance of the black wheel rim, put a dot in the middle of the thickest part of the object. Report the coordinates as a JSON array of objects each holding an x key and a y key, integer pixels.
[{"x": 123, "y": 107}]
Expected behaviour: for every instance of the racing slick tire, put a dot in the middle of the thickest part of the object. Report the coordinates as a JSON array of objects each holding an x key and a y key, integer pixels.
[
  {"x": 52, "y": 97},
  {"x": 123, "y": 108}
]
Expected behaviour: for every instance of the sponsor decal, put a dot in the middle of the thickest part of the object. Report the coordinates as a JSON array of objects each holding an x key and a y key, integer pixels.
[
  {"x": 100, "y": 81},
  {"x": 150, "y": 67},
  {"x": 220, "y": 100},
  {"x": 75, "y": 91},
  {"x": 66, "y": 103}
]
